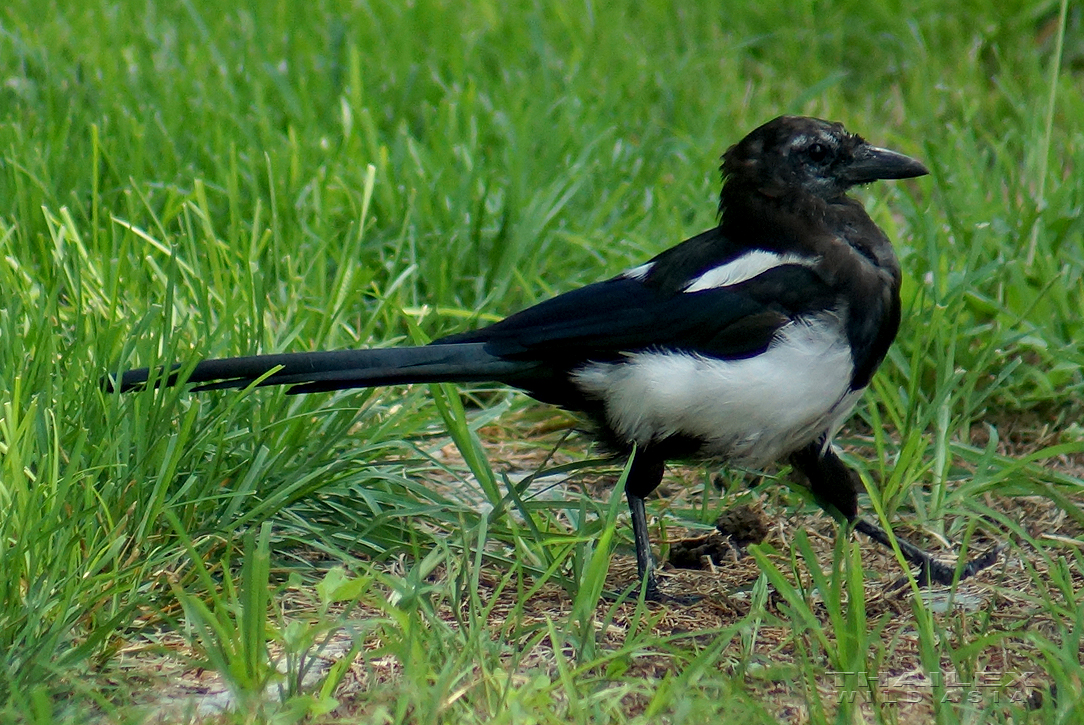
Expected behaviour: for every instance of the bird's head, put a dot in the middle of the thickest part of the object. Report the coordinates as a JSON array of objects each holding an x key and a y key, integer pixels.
[{"x": 807, "y": 157}]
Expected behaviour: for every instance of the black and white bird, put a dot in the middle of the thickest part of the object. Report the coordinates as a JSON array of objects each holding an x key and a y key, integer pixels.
[{"x": 747, "y": 344}]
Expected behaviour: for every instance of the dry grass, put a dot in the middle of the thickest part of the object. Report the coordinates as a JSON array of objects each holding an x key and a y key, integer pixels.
[{"x": 772, "y": 665}]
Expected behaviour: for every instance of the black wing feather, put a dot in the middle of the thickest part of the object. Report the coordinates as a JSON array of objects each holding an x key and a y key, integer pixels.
[{"x": 623, "y": 315}]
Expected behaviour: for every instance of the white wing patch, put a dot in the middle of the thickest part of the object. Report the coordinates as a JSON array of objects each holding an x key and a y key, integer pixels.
[
  {"x": 749, "y": 265},
  {"x": 638, "y": 273},
  {"x": 750, "y": 411}
]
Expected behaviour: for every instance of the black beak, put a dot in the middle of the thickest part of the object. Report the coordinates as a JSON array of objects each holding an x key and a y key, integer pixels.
[{"x": 871, "y": 163}]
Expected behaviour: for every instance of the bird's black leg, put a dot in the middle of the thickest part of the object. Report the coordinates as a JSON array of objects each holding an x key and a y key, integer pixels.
[
  {"x": 834, "y": 485},
  {"x": 644, "y": 477}
]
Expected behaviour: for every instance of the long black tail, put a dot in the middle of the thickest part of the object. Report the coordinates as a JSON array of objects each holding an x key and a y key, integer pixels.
[{"x": 312, "y": 372}]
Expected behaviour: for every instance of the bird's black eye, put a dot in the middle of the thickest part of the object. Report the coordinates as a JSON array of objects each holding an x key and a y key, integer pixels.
[{"x": 818, "y": 153}]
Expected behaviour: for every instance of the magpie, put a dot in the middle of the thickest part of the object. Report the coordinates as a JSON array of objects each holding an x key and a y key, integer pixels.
[{"x": 746, "y": 344}]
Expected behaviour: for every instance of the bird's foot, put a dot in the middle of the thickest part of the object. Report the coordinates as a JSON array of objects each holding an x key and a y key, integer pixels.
[
  {"x": 652, "y": 593},
  {"x": 930, "y": 570},
  {"x": 684, "y": 600},
  {"x": 934, "y": 572}
]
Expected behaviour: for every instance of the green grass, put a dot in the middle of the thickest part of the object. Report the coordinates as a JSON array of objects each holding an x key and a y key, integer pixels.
[{"x": 185, "y": 180}]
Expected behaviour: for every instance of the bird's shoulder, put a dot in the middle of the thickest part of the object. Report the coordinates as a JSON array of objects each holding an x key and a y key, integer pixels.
[{"x": 708, "y": 294}]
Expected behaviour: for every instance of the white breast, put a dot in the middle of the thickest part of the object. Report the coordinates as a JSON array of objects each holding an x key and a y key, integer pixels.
[{"x": 749, "y": 411}]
